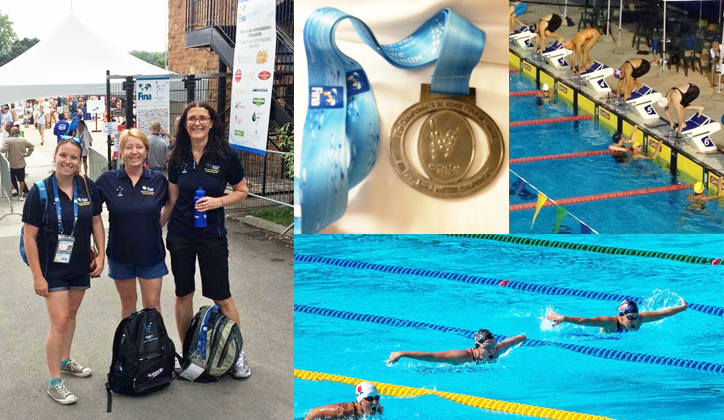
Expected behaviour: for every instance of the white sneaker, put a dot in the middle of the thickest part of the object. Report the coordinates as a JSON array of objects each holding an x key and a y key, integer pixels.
[
  {"x": 241, "y": 368},
  {"x": 60, "y": 393},
  {"x": 75, "y": 369}
]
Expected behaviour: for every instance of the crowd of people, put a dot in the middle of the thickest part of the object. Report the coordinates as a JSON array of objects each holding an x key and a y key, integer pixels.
[{"x": 63, "y": 212}]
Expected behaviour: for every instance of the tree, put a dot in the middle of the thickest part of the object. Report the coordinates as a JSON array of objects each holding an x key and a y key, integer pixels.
[
  {"x": 7, "y": 35},
  {"x": 158, "y": 59},
  {"x": 18, "y": 48}
]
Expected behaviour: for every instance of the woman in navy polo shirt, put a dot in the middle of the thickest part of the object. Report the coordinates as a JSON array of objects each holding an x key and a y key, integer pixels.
[
  {"x": 202, "y": 158},
  {"x": 134, "y": 197},
  {"x": 57, "y": 245}
]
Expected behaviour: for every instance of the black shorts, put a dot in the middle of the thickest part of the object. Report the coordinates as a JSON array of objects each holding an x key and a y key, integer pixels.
[
  {"x": 17, "y": 174},
  {"x": 641, "y": 70},
  {"x": 82, "y": 282},
  {"x": 213, "y": 255}
]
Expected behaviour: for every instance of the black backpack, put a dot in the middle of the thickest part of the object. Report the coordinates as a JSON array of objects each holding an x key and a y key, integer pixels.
[{"x": 143, "y": 356}]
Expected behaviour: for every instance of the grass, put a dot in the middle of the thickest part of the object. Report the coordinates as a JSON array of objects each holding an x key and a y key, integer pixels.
[{"x": 281, "y": 215}]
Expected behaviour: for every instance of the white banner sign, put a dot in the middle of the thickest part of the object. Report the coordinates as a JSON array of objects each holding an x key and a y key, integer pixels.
[
  {"x": 96, "y": 106},
  {"x": 253, "y": 77},
  {"x": 152, "y": 103}
]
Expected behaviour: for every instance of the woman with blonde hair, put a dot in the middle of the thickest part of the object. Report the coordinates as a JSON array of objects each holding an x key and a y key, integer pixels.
[
  {"x": 57, "y": 244},
  {"x": 135, "y": 197}
]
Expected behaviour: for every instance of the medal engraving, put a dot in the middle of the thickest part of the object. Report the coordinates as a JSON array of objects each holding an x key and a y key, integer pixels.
[{"x": 446, "y": 145}]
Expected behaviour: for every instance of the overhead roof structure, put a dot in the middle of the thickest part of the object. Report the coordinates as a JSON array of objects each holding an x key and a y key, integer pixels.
[{"x": 71, "y": 61}]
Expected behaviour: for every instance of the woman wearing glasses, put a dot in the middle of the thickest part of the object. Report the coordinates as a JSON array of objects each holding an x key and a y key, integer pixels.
[
  {"x": 486, "y": 349},
  {"x": 368, "y": 404},
  {"x": 134, "y": 197},
  {"x": 57, "y": 244},
  {"x": 202, "y": 159},
  {"x": 628, "y": 318}
]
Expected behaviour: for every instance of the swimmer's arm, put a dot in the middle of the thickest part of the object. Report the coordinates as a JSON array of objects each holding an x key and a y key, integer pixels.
[
  {"x": 505, "y": 345},
  {"x": 668, "y": 116},
  {"x": 331, "y": 411},
  {"x": 656, "y": 316},
  {"x": 599, "y": 321},
  {"x": 617, "y": 147},
  {"x": 454, "y": 357}
]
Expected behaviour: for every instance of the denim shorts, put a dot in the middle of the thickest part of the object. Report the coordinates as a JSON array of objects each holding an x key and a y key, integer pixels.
[{"x": 120, "y": 271}]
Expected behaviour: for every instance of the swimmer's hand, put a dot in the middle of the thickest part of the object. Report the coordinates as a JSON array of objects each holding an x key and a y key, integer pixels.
[
  {"x": 394, "y": 357},
  {"x": 684, "y": 304},
  {"x": 556, "y": 318},
  {"x": 380, "y": 408}
]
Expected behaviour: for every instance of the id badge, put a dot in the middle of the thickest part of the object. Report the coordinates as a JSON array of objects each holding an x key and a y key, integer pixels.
[{"x": 65, "y": 249}]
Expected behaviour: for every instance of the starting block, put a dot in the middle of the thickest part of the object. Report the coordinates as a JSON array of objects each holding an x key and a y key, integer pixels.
[
  {"x": 642, "y": 102},
  {"x": 523, "y": 38},
  {"x": 698, "y": 129},
  {"x": 595, "y": 76},
  {"x": 556, "y": 55}
]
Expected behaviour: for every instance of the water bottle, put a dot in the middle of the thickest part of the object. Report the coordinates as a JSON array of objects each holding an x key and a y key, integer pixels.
[{"x": 199, "y": 216}]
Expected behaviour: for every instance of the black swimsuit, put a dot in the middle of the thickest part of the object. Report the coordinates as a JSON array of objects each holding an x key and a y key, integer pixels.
[
  {"x": 640, "y": 70},
  {"x": 554, "y": 23},
  {"x": 688, "y": 97}
]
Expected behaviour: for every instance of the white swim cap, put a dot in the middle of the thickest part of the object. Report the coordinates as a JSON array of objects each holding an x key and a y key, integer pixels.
[
  {"x": 364, "y": 390},
  {"x": 663, "y": 102},
  {"x": 544, "y": 87}
]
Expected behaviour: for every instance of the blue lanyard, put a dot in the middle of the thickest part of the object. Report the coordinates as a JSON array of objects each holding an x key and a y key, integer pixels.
[
  {"x": 342, "y": 127},
  {"x": 58, "y": 210}
]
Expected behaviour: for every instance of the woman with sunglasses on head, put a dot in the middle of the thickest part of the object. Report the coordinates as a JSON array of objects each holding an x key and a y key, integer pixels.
[
  {"x": 86, "y": 141},
  {"x": 135, "y": 197},
  {"x": 486, "y": 349},
  {"x": 628, "y": 318},
  {"x": 201, "y": 159},
  {"x": 57, "y": 244},
  {"x": 367, "y": 404}
]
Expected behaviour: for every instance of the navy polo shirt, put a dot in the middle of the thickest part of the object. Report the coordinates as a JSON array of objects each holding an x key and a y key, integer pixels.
[
  {"x": 212, "y": 177},
  {"x": 134, "y": 236},
  {"x": 47, "y": 238}
]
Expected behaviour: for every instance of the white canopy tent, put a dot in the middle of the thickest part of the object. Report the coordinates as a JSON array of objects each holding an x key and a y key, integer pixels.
[{"x": 70, "y": 61}]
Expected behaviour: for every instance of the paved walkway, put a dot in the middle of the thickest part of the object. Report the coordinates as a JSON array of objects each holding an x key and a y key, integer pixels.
[{"x": 261, "y": 271}]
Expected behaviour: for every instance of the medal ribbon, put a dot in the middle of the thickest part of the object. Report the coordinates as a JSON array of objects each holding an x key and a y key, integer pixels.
[
  {"x": 342, "y": 127},
  {"x": 58, "y": 210}
]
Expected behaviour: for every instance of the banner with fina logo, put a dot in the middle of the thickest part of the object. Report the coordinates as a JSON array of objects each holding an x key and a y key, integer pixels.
[
  {"x": 253, "y": 75},
  {"x": 152, "y": 102}
]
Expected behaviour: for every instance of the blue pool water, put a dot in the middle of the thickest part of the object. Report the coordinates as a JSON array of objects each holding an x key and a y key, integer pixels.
[
  {"x": 667, "y": 212},
  {"x": 542, "y": 375}
]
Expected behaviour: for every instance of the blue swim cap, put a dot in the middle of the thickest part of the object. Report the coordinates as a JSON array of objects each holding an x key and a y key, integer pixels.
[{"x": 628, "y": 307}]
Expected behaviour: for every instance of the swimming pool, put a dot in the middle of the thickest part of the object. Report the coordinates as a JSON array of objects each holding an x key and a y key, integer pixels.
[
  {"x": 668, "y": 212},
  {"x": 541, "y": 375}
]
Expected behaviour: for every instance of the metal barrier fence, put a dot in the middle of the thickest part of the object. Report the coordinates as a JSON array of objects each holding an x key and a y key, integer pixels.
[{"x": 6, "y": 190}]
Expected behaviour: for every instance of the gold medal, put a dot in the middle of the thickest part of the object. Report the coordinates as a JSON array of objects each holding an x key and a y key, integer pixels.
[{"x": 446, "y": 145}]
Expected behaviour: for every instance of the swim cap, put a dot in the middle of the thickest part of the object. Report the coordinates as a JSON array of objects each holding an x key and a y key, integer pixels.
[
  {"x": 663, "y": 102},
  {"x": 628, "y": 307},
  {"x": 617, "y": 73},
  {"x": 481, "y": 336},
  {"x": 616, "y": 137},
  {"x": 364, "y": 390},
  {"x": 698, "y": 188},
  {"x": 636, "y": 143},
  {"x": 544, "y": 87},
  {"x": 568, "y": 44},
  {"x": 533, "y": 27}
]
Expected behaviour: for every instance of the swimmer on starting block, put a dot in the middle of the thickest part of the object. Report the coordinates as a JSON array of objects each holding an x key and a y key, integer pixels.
[
  {"x": 545, "y": 97},
  {"x": 516, "y": 9},
  {"x": 681, "y": 98},
  {"x": 629, "y": 74},
  {"x": 581, "y": 45},
  {"x": 636, "y": 146},
  {"x": 486, "y": 349},
  {"x": 546, "y": 27},
  {"x": 628, "y": 318},
  {"x": 367, "y": 404},
  {"x": 699, "y": 198}
]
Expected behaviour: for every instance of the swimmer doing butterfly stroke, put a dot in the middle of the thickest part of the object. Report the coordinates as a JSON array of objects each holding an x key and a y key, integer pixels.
[
  {"x": 486, "y": 349},
  {"x": 628, "y": 318}
]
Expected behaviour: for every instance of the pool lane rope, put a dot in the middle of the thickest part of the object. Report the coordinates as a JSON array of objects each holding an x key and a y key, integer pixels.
[
  {"x": 510, "y": 284},
  {"x": 551, "y": 120},
  {"x": 477, "y": 402},
  {"x": 513, "y": 69},
  {"x": 599, "y": 197},
  {"x": 526, "y": 93},
  {"x": 592, "y": 248},
  {"x": 624, "y": 356},
  {"x": 562, "y": 156}
]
